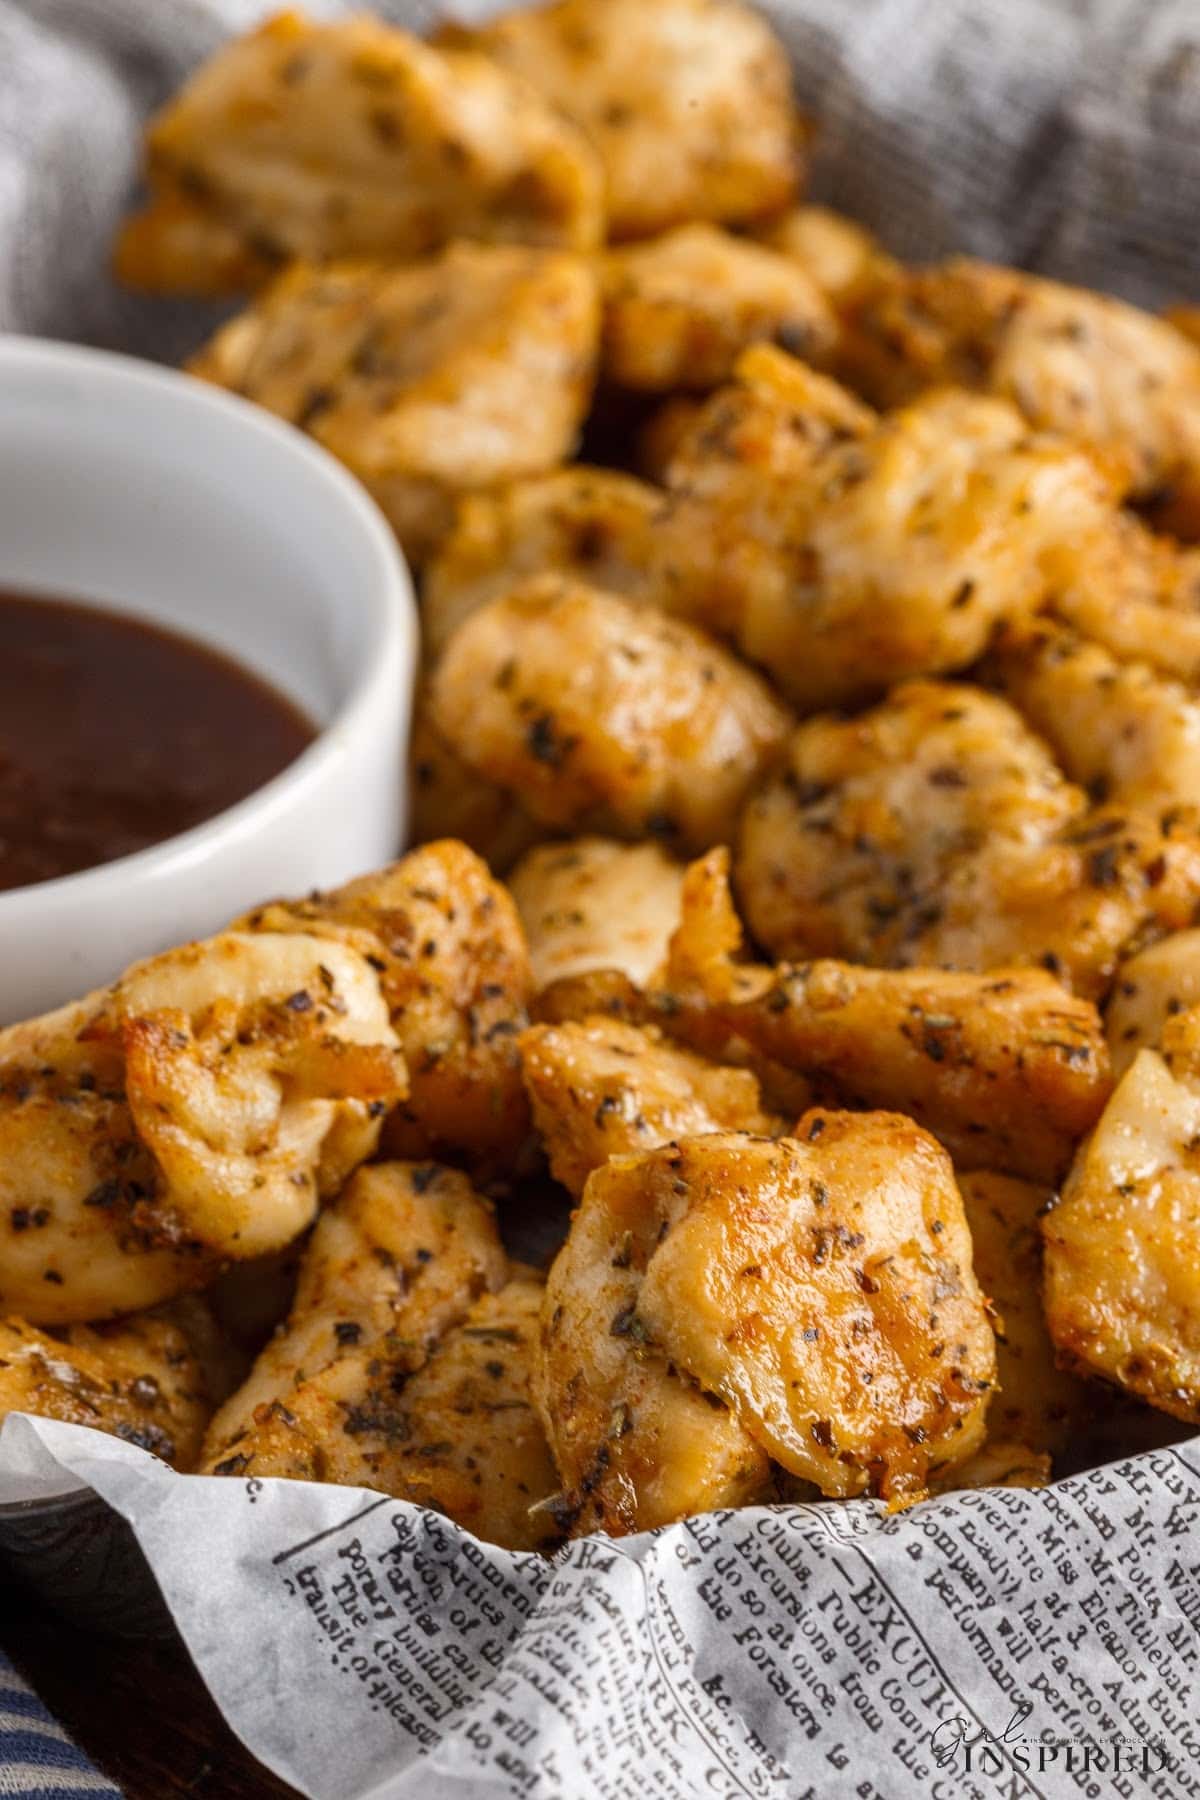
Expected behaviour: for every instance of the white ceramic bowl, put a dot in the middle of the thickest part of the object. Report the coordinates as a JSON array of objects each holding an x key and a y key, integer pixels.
[{"x": 145, "y": 490}]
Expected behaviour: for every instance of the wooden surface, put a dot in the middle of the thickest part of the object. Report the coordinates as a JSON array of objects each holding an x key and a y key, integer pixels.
[{"x": 140, "y": 1711}]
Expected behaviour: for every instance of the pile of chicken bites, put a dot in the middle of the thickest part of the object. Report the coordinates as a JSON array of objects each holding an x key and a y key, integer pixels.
[{"x": 806, "y": 774}]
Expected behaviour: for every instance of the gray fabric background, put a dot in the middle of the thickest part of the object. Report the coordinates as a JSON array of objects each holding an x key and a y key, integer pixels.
[{"x": 1060, "y": 134}]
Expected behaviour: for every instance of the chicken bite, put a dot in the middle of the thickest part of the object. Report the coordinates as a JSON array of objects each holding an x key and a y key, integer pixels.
[
  {"x": 842, "y": 552},
  {"x": 605, "y": 716},
  {"x": 836, "y": 253},
  {"x": 1121, "y": 1294},
  {"x": 1095, "y": 369},
  {"x": 594, "y": 525},
  {"x": 196, "y": 1111},
  {"x": 601, "y": 1088},
  {"x": 688, "y": 103},
  {"x": 139, "y": 1379},
  {"x": 392, "y": 1264},
  {"x": 680, "y": 309},
  {"x": 815, "y": 1294},
  {"x": 1155, "y": 985},
  {"x": 428, "y": 381},
  {"x": 848, "y": 851},
  {"x": 1125, "y": 733},
  {"x": 1136, "y": 594},
  {"x": 405, "y": 1365},
  {"x": 1006, "y": 1068},
  {"x": 453, "y": 968},
  {"x": 349, "y": 139},
  {"x": 595, "y": 904},
  {"x": 1038, "y": 1405},
  {"x": 936, "y": 829}
]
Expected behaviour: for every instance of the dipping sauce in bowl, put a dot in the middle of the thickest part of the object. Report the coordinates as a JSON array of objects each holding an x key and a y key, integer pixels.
[{"x": 116, "y": 735}]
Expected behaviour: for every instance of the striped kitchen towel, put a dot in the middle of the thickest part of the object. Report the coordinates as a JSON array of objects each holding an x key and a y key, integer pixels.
[{"x": 38, "y": 1761}]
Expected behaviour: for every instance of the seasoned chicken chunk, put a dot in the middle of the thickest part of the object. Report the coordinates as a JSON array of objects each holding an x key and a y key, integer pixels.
[
  {"x": 843, "y": 552},
  {"x": 349, "y": 139},
  {"x": 636, "y": 1441},
  {"x": 454, "y": 972},
  {"x": 1083, "y": 364},
  {"x": 138, "y": 1378},
  {"x": 849, "y": 850},
  {"x": 679, "y": 310},
  {"x": 1121, "y": 1269},
  {"x": 450, "y": 800},
  {"x": 392, "y": 1264},
  {"x": 1037, "y": 1404},
  {"x": 591, "y": 524},
  {"x": 405, "y": 1365},
  {"x": 936, "y": 829},
  {"x": 687, "y": 102},
  {"x": 602, "y": 1088},
  {"x": 198, "y": 1110},
  {"x": 1152, "y": 987},
  {"x": 1133, "y": 592},
  {"x": 596, "y": 904},
  {"x": 820, "y": 1287},
  {"x": 1122, "y": 731},
  {"x": 605, "y": 716},
  {"x": 1076, "y": 906},
  {"x": 428, "y": 381},
  {"x": 1006, "y": 1068},
  {"x": 837, "y": 253}
]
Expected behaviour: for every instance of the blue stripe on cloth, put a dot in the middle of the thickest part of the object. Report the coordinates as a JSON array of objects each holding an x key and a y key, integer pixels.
[{"x": 38, "y": 1761}]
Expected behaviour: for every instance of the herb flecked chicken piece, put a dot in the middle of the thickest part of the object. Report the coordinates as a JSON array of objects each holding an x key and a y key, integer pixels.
[
  {"x": 197, "y": 1111},
  {"x": 729, "y": 1301},
  {"x": 405, "y": 1362},
  {"x": 350, "y": 138},
  {"x": 936, "y": 829}
]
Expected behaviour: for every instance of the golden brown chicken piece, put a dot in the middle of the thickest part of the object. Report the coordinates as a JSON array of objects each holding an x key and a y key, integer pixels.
[
  {"x": 1037, "y": 1404},
  {"x": 450, "y": 800},
  {"x": 405, "y": 1365},
  {"x": 687, "y": 102},
  {"x": 1136, "y": 594},
  {"x": 196, "y": 1111},
  {"x": 138, "y": 1378},
  {"x": 837, "y": 253},
  {"x": 454, "y": 972},
  {"x": 392, "y": 1264},
  {"x": 636, "y": 1441},
  {"x": 842, "y": 552},
  {"x": 601, "y": 1088},
  {"x": 594, "y": 904},
  {"x": 849, "y": 851},
  {"x": 1091, "y": 367},
  {"x": 1121, "y": 1271},
  {"x": 1151, "y": 987},
  {"x": 591, "y": 524},
  {"x": 428, "y": 381},
  {"x": 936, "y": 829},
  {"x": 818, "y": 1288},
  {"x": 680, "y": 309},
  {"x": 604, "y": 716},
  {"x": 1006, "y": 1068},
  {"x": 349, "y": 139},
  {"x": 1125, "y": 733}
]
